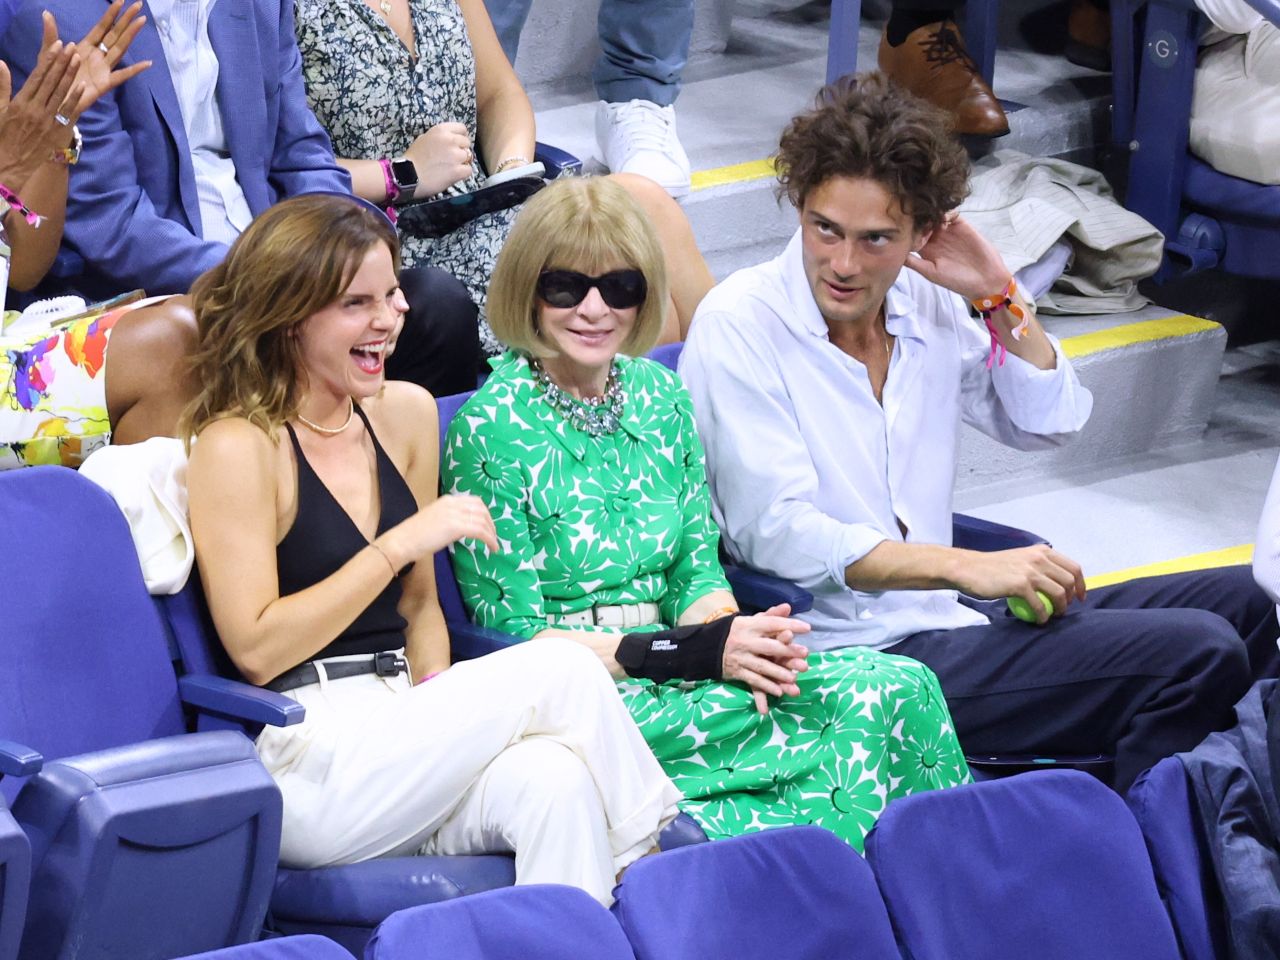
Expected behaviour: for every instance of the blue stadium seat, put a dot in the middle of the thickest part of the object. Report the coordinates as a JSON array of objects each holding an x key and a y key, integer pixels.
[
  {"x": 146, "y": 842},
  {"x": 1161, "y": 802},
  {"x": 1209, "y": 219},
  {"x": 794, "y": 892},
  {"x": 536, "y": 922},
  {"x": 304, "y": 947},
  {"x": 1047, "y": 865},
  {"x": 15, "y": 876},
  {"x": 558, "y": 163},
  {"x": 344, "y": 903}
]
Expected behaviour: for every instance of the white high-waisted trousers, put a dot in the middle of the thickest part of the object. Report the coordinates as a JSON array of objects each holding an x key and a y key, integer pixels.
[{"x": 528, "y": 750}]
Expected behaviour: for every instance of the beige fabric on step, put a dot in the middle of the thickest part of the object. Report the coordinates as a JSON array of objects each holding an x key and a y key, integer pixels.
[{"x": 1023, "y": 205}]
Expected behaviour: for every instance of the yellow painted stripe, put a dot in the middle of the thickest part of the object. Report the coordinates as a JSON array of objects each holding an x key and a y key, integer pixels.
[
  {"x": 1165, "y": 328},
  {"x": 736, "y": 173},
  {"x": 1229, "y": 557}
]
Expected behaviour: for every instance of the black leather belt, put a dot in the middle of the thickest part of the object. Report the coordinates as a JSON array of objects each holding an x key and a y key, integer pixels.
[{"x": 385, "y": 664}]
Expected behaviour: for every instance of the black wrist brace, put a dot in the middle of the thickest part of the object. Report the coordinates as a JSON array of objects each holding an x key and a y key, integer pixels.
[{"x": 695, "y": 652}]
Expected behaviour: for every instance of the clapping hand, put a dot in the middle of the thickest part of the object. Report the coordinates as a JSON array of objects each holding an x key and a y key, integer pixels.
[
  {"x": 37, "y": 121},
  {"x": 762, "y": 653},
  {"x": 102, "y": 48},
  {"x": 66, "y": 80}
]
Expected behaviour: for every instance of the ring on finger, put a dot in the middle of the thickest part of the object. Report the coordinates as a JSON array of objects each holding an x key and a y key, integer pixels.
[
  {"x": 61, "y": 119},
  {"x": 102, "y": 45}
]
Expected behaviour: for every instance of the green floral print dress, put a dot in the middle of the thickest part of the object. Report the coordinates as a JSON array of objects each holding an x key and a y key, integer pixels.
[{"x": 625, "y": 518}]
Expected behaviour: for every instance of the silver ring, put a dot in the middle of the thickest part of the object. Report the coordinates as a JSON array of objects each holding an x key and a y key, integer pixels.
[
  {"x": 103, "y": 47},
  {"x": 61, "y": 119}
]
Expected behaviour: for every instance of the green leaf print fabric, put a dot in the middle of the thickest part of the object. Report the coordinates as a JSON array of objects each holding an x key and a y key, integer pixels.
[{"x": 625, "y": 518}]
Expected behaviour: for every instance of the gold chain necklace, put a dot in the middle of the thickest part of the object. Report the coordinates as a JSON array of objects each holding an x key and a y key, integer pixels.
[{"x": 330, "y": 431}]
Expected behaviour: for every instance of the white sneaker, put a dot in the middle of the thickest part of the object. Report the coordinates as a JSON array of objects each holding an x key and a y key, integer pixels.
[{"x": 640, "y": 137}]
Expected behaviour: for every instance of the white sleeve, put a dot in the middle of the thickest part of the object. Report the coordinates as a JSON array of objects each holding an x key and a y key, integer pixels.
[
  {"x": 763, "y": 480},
  {"x": 1017, "y": 403}
]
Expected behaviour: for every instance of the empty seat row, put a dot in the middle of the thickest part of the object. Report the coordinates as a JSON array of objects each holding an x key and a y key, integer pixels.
[{"x": 1049, "y": 864}]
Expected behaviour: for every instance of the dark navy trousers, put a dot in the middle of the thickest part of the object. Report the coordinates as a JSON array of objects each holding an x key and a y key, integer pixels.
[{"x": 1140, "y": 670}]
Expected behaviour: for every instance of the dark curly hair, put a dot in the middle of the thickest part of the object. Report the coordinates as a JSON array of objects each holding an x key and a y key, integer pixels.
[{"x": 865, "y": 126}]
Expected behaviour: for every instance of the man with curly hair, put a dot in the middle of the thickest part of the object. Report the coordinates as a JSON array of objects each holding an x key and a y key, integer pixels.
[{"x": 829, "y": 385}]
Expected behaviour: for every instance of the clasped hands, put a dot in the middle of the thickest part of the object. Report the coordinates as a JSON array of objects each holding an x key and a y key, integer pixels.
[
  {"x": 762, "y": 653},
  {"x": 66, "y": 81}
]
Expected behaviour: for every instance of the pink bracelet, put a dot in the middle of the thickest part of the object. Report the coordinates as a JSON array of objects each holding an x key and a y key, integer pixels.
[
  {"x": 16, "y": 203},
  {"x": 986, "y": 306},
  {"x": 393, "y": 188},
  {"x": 429, "y": 676}
]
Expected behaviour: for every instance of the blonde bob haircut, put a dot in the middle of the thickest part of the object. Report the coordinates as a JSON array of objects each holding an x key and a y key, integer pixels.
[
  {"x": 588, "y": 224},
  {"x": 294, "y": 260}
]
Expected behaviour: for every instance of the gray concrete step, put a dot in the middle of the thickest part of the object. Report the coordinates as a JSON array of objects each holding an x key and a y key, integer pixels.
[{"x": 1153, "y": 375}]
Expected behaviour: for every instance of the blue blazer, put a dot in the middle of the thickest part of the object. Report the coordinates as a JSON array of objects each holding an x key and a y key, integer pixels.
[{"x": 133, "y": 215}]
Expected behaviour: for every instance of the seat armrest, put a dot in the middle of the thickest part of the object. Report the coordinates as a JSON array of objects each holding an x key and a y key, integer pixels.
[
  {"x": 756, "y": 591},
  {"x": 242, "y": 702},
  {"x": 558, "y": 162},
  {"x": 17, "y": 760},
  {"x": 971, "y": 533},
  {"x": 467, "y": 641}
]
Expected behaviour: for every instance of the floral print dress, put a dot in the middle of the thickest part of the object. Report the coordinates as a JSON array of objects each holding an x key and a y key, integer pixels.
[
  {"x": 625, "y": 518},
  {"x": 375, "y": 98},
  {"x": 53, "y": 393}
]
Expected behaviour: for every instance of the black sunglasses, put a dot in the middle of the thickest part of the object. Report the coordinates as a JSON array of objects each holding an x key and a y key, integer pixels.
[{"x": 620, "y": 289}]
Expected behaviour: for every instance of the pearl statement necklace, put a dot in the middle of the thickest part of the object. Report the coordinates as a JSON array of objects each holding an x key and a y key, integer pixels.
[
  {"x": 330, "y": 431},
  {"x": 596, "y": 417}
]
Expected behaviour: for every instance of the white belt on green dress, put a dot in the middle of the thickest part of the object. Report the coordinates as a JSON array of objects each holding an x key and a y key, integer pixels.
[{"x": 625, "y": 615}]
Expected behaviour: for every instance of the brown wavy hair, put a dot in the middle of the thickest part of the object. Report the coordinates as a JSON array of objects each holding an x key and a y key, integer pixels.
[
  {"x": 865, "y": 126},
  {"x": 294, "y": 260}
]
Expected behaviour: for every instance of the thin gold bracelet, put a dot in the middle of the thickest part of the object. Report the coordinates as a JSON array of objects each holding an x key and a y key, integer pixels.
[
  {"x": 394, "y": 572},
  {"x": 511, "y": 162},
  {"x": 722, "y": 612}
]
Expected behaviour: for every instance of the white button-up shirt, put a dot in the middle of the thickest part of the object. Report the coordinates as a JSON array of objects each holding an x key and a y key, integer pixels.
[
  {"x": 183, "y": 26},
  {"x": 809, "y": 472}
]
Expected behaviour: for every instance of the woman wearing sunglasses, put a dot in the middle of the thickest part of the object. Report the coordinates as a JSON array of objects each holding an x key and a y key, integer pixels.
[{"x": 589, "y": 462}]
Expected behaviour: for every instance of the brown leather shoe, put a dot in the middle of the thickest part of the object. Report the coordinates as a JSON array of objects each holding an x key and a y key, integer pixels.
[
  {"x": 933, "y": 64},
  {"x": 1089, "y": 35}
]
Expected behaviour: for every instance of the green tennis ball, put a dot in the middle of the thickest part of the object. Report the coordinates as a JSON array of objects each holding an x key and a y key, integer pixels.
[{"x": 1022, "y": 610}]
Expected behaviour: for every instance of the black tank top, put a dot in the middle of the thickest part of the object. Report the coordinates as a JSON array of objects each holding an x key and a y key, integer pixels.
[{"x": 323, "y": 537}]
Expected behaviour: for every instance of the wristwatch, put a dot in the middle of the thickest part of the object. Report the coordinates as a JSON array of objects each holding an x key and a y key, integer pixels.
[
  {"x": 405, "y": 175},
  {"x": 70, "y": 154}
]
